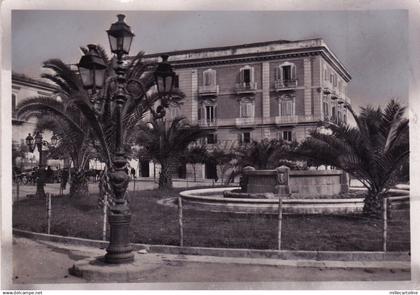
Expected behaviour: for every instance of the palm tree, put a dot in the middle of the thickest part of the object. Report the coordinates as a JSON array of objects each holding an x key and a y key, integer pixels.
[
  {"x": 264, "y": 154},
  {"x": 166, "y": 142},
  {"x": 372, "y": 151},
  {"x": 89, "y": 117}
]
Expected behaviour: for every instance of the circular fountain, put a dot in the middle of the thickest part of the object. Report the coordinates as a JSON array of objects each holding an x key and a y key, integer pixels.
[{"x": 302, "y": 192}]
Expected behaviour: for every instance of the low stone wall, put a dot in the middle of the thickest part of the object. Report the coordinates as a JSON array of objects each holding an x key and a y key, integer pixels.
[
  {"x": 311, "y": 183},
  {"x": 213, "y": 200}
]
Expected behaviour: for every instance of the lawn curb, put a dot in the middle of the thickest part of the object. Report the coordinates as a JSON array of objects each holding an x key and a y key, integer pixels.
[{"x": 225, "y": 252}]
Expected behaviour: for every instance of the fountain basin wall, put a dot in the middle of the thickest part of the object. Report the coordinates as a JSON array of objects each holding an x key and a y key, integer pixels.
[
  {"x": 213, "y": 200},
  {"x": 305, "y": 183}
]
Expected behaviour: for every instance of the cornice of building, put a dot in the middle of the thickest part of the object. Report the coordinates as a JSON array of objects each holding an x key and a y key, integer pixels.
[
  {"x": 23, "y": 80},
  {"x": 253, "y": 52}
]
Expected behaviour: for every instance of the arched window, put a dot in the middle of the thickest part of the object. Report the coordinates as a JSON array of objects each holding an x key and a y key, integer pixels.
[
  {"x": 209, "y": 77},
  {"x": 286, "y": 105}
]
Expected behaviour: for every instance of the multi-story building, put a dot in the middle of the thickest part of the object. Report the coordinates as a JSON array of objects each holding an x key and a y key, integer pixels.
[
  {"x": 276, "y": 89},
  {"x": 22, "y": 88}
]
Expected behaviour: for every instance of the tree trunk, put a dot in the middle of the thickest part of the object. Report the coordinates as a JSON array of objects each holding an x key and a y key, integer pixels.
[
  {"x": 195, "y": 175},
  {"x": 373, "y": 204},
  {"x": 165, "y": 176},
  {"x": 79, "y": 185}
]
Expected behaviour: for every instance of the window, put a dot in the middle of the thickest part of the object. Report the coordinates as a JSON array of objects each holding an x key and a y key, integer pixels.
[
  {"x": 333, "y": 113},
  {"x": 211, "y": 138},
  {"x": 13, "y": 105},
  {"x": 246, "y": 110},
  {"x": 246, "y": 75},
  {"x": 176, "y": 81},
  {"x": 207, "y": 113},
  {"x": 246, "y": 137},
  {"x": 331, "y": 78},
  {"x": 209, "y": 77},
  {"x": 286, "y": 135},
  {"x": 325, "y": 109},
  {"x": 210, "y": 116},
  {"x": 286, "y": 72},
  {"x": 335, "y": 80},
  {"x": 325, "y": 75},
  {"x": 339, "y": 117},
  {"x": 286, "y": 106}
]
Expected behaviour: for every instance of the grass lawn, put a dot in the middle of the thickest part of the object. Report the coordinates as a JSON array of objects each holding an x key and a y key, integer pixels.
[{"x": 153, "y": 223}]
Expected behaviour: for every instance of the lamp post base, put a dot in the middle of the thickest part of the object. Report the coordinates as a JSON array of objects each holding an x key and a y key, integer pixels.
[
  {"x": 119, "y": 250},
  {"x": 40, "y": 192}
]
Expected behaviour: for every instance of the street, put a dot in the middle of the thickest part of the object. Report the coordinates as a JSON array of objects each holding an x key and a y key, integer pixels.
[{"x": 48, "y": 262}]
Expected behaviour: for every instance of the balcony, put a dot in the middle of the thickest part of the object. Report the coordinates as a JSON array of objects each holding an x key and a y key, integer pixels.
[
  {"x": 206, "y": 123},
  {"x": 208, "y": 90},
  {"x": 282, "y": 85},
  {"x": 327, "y": 90},
  {"x": 250, "y": 87},
  {"x": 334, "y": 95},
  {"x": 245, "y": 122},
  {"x": 293, "y": 119}
]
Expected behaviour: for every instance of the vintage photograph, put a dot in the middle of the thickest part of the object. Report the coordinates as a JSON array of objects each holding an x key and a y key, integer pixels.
[{"x": 210, "y": 147}]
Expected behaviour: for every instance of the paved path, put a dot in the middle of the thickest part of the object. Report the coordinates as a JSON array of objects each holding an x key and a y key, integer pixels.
[{"x": 47, "y": 262}]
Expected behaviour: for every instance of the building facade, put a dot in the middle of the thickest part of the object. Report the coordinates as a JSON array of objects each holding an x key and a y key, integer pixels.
[
  {"x": 274, "y": 90},
  {"x": 24, "y": 87}
]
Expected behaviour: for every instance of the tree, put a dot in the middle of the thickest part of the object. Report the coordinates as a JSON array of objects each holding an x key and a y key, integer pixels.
[
  {"x": 265, "y": 154},
  {"x": 222, "y": 159},
  {"x": 196, "y": 154},
  {"x": 89, "y": 117},
  {"x": 166, "y": 142},
  {"x": 372, "y": 151}
]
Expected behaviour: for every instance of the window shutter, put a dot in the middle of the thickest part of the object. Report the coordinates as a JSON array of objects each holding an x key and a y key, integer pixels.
[
  {"x": 281, "y": 73},
  {"x": 205, "y": 78},
  {"x": 241, "y": 76},
  {"x": 213, "y": 77},
  {"x": 199, "y": 113},
  {"x": 252, "y": 75},
  {"x": 293, "y": 72},
  {"x": 215, "y": 112}
]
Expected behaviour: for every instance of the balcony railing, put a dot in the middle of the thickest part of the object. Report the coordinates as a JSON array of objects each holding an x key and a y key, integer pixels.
[
  {"x": 285, "y": 84},
  {"x": 249, "y": 87},
  {"x": 208, "y": 90},
  {"x": 207, "y": 123},
  {"x": 245, "y": 122},
  {"x": 293, "y": 119}
]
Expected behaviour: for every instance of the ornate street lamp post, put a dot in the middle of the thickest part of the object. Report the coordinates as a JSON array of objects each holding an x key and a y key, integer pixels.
[
  {"x": 120, "y": 37},
  {"x": 38, "y": 142}
]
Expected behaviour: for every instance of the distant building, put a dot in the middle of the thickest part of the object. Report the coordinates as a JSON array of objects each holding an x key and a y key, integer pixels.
[
  {"x": 24, "y": 87},
  {"x": 276, "y": 89}
]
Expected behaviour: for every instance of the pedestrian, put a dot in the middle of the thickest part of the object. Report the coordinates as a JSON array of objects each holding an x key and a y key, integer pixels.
[{"x": 133, "y": 172}]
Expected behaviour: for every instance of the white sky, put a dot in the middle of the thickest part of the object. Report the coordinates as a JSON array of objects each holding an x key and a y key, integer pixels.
[{"x": 372, "y": 45}]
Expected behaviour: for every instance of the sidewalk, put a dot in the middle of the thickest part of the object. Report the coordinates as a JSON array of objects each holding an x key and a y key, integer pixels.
[{"x": 37, "y": 262}]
